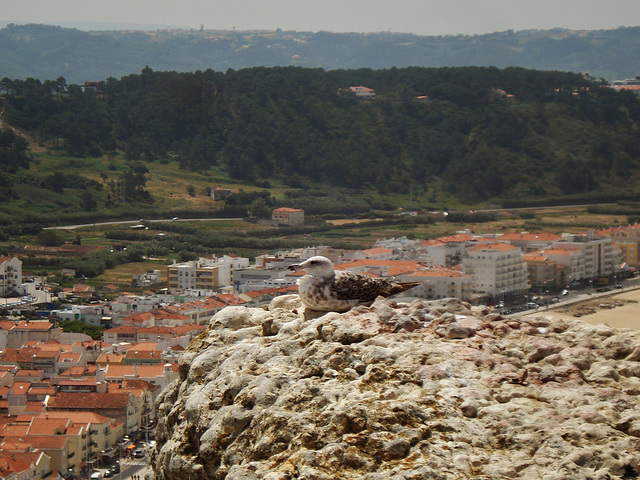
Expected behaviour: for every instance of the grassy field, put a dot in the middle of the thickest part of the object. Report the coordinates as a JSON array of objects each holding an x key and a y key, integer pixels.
[{"x": 122, "y": 274}]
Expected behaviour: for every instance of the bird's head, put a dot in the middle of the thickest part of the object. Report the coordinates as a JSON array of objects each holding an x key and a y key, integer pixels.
[{"x": 317, "y": 266}]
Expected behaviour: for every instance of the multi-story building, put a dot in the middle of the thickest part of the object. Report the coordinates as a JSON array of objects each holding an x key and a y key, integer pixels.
[
  {"x": 156, "y": 375},
  {"x": 31, "y": 331},
  {"x": 542, "y": 271},
  {"x": 204, "y": 274},
  {"x": 440, "y": 282},
  {"x": 572, "y": 259},
  {"x": 629, "y": 247},
  {"x": 10, "y": 276},
  {"x": 96, "y": 314},
  {"x": 601, "y": 257},
  {"x": 119, "y": 406},
  {"x": 19, "y": 464},
  {"x": 448, "y": 251},
  {"x": 63, "y": 457},
  {"x": 498, "y": 269}
]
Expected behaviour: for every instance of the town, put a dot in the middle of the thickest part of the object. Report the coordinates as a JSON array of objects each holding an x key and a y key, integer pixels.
[{"x": 72, "y": 405}]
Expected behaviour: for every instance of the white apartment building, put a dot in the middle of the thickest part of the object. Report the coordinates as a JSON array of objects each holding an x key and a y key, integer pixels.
[
  {"x": 498, "y": 269},
  {"x": 89, "y": 314},
  {"x": 10, "y": 276},
  {"x": 570, "y": 258},
  {"x": 206, "y": 274},
  {"x": 601, "y": 257}
]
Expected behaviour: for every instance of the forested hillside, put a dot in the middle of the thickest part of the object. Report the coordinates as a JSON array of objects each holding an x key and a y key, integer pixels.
[
  {"x": 47, "y": 52},
  {"x": 478, "y": 133}
]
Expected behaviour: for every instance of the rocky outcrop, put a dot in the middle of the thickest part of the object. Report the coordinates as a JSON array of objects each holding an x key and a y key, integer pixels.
[{"x": 431, "y": 390}]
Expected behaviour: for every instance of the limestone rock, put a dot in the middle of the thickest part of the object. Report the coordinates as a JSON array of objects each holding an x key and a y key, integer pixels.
[{"x": 431, "y": 390}]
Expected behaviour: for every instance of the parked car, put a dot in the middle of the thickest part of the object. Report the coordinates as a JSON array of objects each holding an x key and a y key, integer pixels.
[{"x": 139, "y": 453}]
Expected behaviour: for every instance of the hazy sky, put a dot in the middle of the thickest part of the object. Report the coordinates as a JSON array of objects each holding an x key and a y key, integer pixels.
[{"x": 425, "y": 17}]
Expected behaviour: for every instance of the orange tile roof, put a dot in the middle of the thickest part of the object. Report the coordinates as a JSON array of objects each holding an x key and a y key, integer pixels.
[
  {"x": 80, "y": 371},
  {"x": 439, "y": 272},
  {"x": 143, "y": 371},
  {"x": 529, "y": 237},
  {"x": 34, "y": 325},
  {"x": 431, "y": 243},
  {"x": 374, "y": 263},
  {"x": 12, "y": 430},
  {"x": 47, "y": 426},
  {"x": 84, "y": 401},
  {"x": 20, "y": 388},
  {"x": 143, "y": 355},
  {"x": 45, "y": 442},
  {"x": 535, "y": 257},
  {"x": 148, "y": 346},
  {"x": 42, "y": 391},
  {"x": 163, "y": 314},
  {"x": 230, "y": 299},
  {"x": 377, "y": 251},
  {"x": 46, "y": 353},
  {"x": 497, "y": 247},
  {"x": 29, "y": 373},
  {"x": 110, "y": 358},
  {"x": 7, "y": 324},
  {"x": 460, "y": 237},
  {"x": 287, "y": 209},
  {"x": 79, "y": 417},
  {"x": 139, "y": 317},
  {"x": 560, "y": 251},
  {"x": 69, "y": 357},
  {"x": 10, "y": 465}
]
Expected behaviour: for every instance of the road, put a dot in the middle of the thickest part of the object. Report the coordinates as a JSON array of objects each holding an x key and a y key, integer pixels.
[
  {"x": 577, "y": 296},
  {"x": 136, "y": 222}
]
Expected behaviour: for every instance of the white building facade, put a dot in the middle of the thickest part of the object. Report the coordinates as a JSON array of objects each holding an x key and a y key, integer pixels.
[
  {"x": 10, "y": 276},
  {"x": 498, "y": 270},
  {"x": 601, "y": 257}
]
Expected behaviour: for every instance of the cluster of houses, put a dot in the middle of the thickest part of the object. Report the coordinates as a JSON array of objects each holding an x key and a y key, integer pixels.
[{"x": 68, "y": 402}]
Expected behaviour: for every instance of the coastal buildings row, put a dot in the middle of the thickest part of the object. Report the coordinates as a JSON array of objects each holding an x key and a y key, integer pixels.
[{"x": 494, "y": 266}]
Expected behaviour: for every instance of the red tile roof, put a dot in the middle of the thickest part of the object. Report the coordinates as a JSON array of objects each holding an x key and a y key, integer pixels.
[
  {"x": 496, "y": 247},
  {"x": 530, "y": 237},
  {"x": 85, "y": 401}
]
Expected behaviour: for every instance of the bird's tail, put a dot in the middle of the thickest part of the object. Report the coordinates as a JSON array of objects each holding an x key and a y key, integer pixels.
[{"x": 399, "y": 287}]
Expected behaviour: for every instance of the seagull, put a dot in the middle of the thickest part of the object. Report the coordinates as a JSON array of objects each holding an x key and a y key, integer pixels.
[{"x": 326, "y": 290}]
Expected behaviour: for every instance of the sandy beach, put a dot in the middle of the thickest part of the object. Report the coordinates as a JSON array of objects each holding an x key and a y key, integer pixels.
[{"x": 626, "y": 315}]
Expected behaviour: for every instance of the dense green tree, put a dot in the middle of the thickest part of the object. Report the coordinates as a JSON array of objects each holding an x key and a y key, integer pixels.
[{"x": 50, "y": 238}]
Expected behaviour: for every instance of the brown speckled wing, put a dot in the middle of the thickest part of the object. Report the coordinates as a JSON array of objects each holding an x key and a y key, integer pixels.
[{"x": 355, "y": 286}]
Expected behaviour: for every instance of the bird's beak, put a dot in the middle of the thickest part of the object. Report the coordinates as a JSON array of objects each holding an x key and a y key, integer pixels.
[{"x": 294, "y": 268}]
